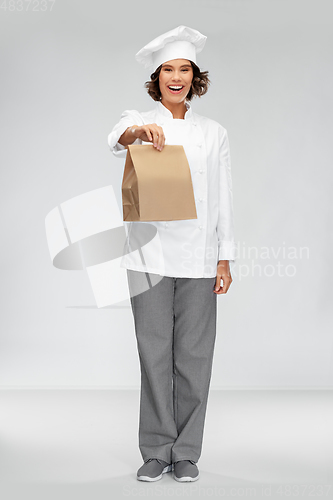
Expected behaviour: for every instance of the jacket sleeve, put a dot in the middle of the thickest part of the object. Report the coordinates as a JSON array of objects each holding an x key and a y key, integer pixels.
[
  {"x": 225, "y": 225},
  {"x": 128, "y": 118}
]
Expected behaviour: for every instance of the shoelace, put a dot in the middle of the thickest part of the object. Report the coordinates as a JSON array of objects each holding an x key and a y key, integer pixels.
[
  {"x": 159, "y": 461},
  {"x": 192, "y": 461},
  {"x": 150, "y": 459}
]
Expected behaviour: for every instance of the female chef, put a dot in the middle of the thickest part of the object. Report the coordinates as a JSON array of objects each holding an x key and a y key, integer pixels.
[{"x": 175, "y": 319}]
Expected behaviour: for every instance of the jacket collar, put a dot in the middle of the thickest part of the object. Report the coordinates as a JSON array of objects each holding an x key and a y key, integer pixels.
[{"x": 167, "y": 113}]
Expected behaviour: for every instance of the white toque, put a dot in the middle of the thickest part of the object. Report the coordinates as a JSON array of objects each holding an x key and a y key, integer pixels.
[{"x": 180, "y": 43}]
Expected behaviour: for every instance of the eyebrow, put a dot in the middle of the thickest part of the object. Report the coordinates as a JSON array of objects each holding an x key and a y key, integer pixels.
[{"x": 182, "y": 66}]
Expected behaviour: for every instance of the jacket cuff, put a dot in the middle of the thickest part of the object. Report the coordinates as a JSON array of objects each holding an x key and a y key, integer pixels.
[
  {"x": 116, "y": 148},
  {"x": 227, "y": 251}
]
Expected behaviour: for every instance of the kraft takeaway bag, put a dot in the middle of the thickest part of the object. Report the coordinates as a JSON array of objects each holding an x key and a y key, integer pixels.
[{"x": 157, "y": 185}]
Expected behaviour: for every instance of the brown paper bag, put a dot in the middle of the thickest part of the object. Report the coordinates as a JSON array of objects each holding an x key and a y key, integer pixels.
[{"x": 157, "y": 185}]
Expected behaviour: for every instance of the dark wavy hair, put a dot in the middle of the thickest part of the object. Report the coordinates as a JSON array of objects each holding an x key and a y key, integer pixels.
[{"x": 199, "y": 87}]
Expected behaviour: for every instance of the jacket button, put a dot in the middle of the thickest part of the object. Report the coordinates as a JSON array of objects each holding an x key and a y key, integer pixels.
[
  {"x": 200, "y": 170},
  {"x": 200, "y": 199},
  {"x": 199, "y": 144},
  {"x": 200, "y": 227},
  {"x": 166, "y": 225}
]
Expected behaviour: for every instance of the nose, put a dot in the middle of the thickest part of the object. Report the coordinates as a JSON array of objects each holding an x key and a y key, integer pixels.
[{"x": 176, "y": 77}]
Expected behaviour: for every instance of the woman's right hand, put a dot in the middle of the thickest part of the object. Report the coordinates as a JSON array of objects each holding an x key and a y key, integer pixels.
[{"x": 150, "y": 133}]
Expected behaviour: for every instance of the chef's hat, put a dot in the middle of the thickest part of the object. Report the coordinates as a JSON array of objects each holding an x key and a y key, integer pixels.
[{"x": 179, "y": 43}]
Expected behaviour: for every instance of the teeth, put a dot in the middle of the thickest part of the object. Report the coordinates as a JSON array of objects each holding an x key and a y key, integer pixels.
[{"x": 176, "y": 88}]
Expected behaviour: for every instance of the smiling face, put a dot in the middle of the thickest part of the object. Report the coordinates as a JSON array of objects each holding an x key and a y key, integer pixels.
[{"x": 175, "y": 80}]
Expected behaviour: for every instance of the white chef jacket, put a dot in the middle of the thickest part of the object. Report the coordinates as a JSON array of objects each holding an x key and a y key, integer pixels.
[{"x": 186, "y": 248}]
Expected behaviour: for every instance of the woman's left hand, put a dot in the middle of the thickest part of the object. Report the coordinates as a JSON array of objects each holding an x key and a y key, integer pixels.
[{"x": 223, "y": 272}]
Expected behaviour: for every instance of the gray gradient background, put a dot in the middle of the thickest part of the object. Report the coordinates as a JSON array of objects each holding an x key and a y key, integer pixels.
[{"x": 66, "y": 77}]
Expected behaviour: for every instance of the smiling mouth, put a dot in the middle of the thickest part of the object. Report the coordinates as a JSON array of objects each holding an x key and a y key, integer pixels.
[{"x": 175, "y": 89}]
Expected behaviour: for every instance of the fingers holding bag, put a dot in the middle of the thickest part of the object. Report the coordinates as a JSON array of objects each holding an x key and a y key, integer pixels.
[{"x": 151, "y": 133}]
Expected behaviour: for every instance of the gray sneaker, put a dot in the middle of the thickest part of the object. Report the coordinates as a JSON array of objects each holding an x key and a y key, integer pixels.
[
  {"x": 152, "y": 469},
  {"x": 185, "y": 470}
]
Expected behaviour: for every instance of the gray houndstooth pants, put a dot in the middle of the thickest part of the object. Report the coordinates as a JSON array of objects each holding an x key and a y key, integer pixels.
[{"x": 175, "y": 326}]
